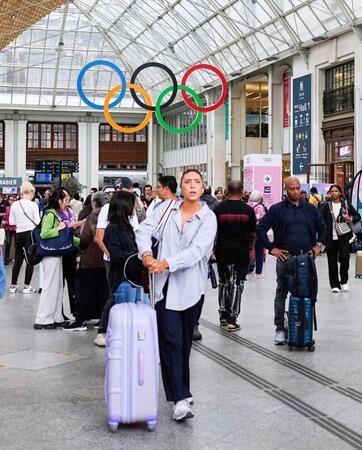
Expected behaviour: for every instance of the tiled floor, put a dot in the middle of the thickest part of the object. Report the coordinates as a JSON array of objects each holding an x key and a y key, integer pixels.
[{"x": 249, "y": 394}]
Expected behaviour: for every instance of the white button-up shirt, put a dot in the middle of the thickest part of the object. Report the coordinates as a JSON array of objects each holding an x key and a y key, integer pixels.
[{"x": 187, "y": 250}]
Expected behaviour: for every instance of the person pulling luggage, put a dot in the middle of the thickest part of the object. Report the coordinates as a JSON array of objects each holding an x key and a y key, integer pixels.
[
  {"x": 298, "y": 228},
  {"x": 185, "y": 245}
]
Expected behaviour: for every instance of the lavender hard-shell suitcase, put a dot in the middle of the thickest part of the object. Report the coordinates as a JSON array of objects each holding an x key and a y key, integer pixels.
[{"x": 132, "y": 365}]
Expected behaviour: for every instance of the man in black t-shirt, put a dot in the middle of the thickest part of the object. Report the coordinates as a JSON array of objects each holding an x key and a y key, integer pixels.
[{"x": 236, "y": 224}]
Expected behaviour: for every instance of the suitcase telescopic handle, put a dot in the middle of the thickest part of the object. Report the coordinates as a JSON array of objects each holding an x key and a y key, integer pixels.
[
  {"x": 141, "y": 367},
  {"x": 151, "y": 280}
]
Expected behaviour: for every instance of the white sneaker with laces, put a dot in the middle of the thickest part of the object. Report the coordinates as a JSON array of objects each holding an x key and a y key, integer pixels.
[
  {"x": 13, "y": 289},
  {"x": 336, "y": 290},
  {"x": 344, "y": 287},
  {"x": 279, "y": 337},
  {"x": 28, "y": 290},
  {"x": 190, "y": 400},
  {"x": 100, "y": 340},
  {"x": 182, "y": 411}
]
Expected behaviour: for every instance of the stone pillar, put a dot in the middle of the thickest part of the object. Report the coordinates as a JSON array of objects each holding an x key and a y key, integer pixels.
[
  {"x": 216, "y": 146},
  {"x": 15, "y": 148},
  {"x": 82, "y": 154},
  {"x": 88, "y": 153}
]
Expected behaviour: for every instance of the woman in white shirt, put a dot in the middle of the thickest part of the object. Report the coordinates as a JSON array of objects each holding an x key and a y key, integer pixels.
[
  {"x": 338, "y": 215},
  {"x": 24, "y": 214}
]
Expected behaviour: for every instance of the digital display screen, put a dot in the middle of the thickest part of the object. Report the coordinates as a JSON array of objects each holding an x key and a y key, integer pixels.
[{"x": 43, "y": 178}]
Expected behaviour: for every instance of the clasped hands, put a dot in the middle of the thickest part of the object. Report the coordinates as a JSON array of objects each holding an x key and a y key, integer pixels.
[{"x": 154, "y": 265}]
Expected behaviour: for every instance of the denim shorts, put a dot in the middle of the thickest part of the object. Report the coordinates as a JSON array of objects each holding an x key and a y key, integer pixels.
[{"x": 126, "y": 293}]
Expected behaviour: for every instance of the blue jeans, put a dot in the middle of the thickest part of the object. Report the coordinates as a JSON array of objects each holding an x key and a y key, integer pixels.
[{"x": 126, "y": 293}]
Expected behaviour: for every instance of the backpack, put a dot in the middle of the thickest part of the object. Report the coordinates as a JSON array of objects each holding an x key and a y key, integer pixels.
[{"x": 302, "y": 280}]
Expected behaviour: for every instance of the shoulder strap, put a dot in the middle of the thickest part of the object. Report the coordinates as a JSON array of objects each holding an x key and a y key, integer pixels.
[
  {"x": 31, "y": 220},
  {"x": 165, "y": 216}
]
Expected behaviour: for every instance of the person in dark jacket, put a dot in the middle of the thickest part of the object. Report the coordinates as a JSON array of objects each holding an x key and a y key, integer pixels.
[
  {"x": 91, "y": 287},
  {"x": 87, "y": 208},
  {"x": 337, "y": 210},
  {"x": 119, "y": 239},
  {"x": 296, "y": 225},
  {"x": 209, "y": 199}
]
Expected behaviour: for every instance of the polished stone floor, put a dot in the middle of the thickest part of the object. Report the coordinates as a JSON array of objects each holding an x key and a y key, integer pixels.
[{"x": 249, "y": 394}]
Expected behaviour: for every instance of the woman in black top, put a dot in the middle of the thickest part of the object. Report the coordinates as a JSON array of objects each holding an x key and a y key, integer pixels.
[
  {"x": 338, "y": 213},
  {"x": 119, "y": 238}
]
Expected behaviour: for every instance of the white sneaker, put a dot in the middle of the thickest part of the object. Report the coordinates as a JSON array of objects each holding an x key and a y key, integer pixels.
[
  {"x": 259, "y": 276},
  {"x": 279, "y": 337},
  {"x": 190, "y": 400},
  {"x": 182, "y": 411},
  {"x": 336, "y": 290},
  {"x": 344, "y": 287},
  {"x": 29, "y": 290},
  {"x": 100, "y": 340},
  {"x": 13, "y": 289}
]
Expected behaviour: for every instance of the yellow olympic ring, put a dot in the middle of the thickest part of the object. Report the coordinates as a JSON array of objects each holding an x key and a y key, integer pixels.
[{"x": 115, "y": 125}]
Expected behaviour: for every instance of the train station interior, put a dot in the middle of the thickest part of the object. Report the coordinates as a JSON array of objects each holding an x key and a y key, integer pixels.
[{"x": 94, "y": 91}]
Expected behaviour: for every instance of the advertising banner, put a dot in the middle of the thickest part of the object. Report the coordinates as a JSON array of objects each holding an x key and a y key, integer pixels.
[
  {"x": 264, "y": 173},
  {"x": 286, "y": 100},
  {"x": 301, "y": 124}
]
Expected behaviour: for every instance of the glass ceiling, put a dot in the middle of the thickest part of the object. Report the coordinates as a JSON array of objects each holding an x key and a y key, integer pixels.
[{"x": 41, "y": 66}]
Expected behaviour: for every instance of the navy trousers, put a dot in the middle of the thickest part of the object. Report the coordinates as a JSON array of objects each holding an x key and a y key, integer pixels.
[{"x": 175, "y": 329}]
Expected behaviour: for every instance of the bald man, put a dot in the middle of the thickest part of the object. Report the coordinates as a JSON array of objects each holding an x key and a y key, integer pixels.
[{"x": 296, "y": 225}]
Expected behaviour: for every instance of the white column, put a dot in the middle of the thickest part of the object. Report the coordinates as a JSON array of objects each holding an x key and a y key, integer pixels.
[
  {"x": 217, "y": 144},
  {"x": 9, "y": 148},
  {"x": 21, "y": 149},
  {"x": 150, "y": 152},
  {"x": 88, "y": 153},
  {"x": 94, "y": 154},
  {"x": 82, "y": 154},
  {"x": 15, "y": 148}
]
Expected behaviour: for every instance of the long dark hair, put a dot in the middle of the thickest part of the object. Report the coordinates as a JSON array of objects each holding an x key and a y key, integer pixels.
[
  {"x": 120, "y": 208},
  {"x": 53, "y": 200}
]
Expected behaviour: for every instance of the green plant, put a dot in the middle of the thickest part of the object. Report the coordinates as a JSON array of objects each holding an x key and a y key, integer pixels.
[{"x": 72, "y": 185}]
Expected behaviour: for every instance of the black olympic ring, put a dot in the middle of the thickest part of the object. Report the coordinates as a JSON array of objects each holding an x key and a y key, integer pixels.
[{"x": 160, "y": 66}]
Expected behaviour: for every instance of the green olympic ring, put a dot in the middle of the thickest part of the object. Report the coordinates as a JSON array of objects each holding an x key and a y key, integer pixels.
[{"x": 168, "y": 127}]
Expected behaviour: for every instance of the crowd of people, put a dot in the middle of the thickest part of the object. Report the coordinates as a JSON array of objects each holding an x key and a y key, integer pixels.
[{"x": 193, "y": 228}]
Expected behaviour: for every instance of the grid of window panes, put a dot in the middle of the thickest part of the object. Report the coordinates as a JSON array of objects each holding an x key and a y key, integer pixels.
[
  {"x": 257, "y": 105},
  {"x": 52, "y": 136},
  {"x": 340, "y": 76},
  {"x": 236, "y": 34},
  {"x": 195, "y": 137},
  {"x": 109, "y": 134}
]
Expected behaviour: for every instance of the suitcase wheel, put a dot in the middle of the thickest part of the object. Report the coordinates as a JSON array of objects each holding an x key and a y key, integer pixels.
[
  {"x": 311, "y": 348},
  {"x": 151, "y": 425},
  {"x": 113, "y": 426},
  {"x": 290, "y": 347}
]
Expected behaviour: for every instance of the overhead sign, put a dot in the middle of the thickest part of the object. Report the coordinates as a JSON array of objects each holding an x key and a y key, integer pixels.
[
  {"x": 301, "y": 124},
  {"x": 54, "y": 167},
  {"x": 10, "y": 182}
]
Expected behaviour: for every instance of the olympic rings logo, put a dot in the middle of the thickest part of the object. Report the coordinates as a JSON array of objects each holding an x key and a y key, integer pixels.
[{"x": 135, "y": 88}]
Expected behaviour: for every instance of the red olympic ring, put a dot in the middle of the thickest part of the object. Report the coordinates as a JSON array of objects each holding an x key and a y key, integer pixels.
[{"x": 223, "y": 93}]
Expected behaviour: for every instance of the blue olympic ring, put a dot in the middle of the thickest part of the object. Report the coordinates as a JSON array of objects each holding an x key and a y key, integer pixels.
[{"x": 101, "y": 62}]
